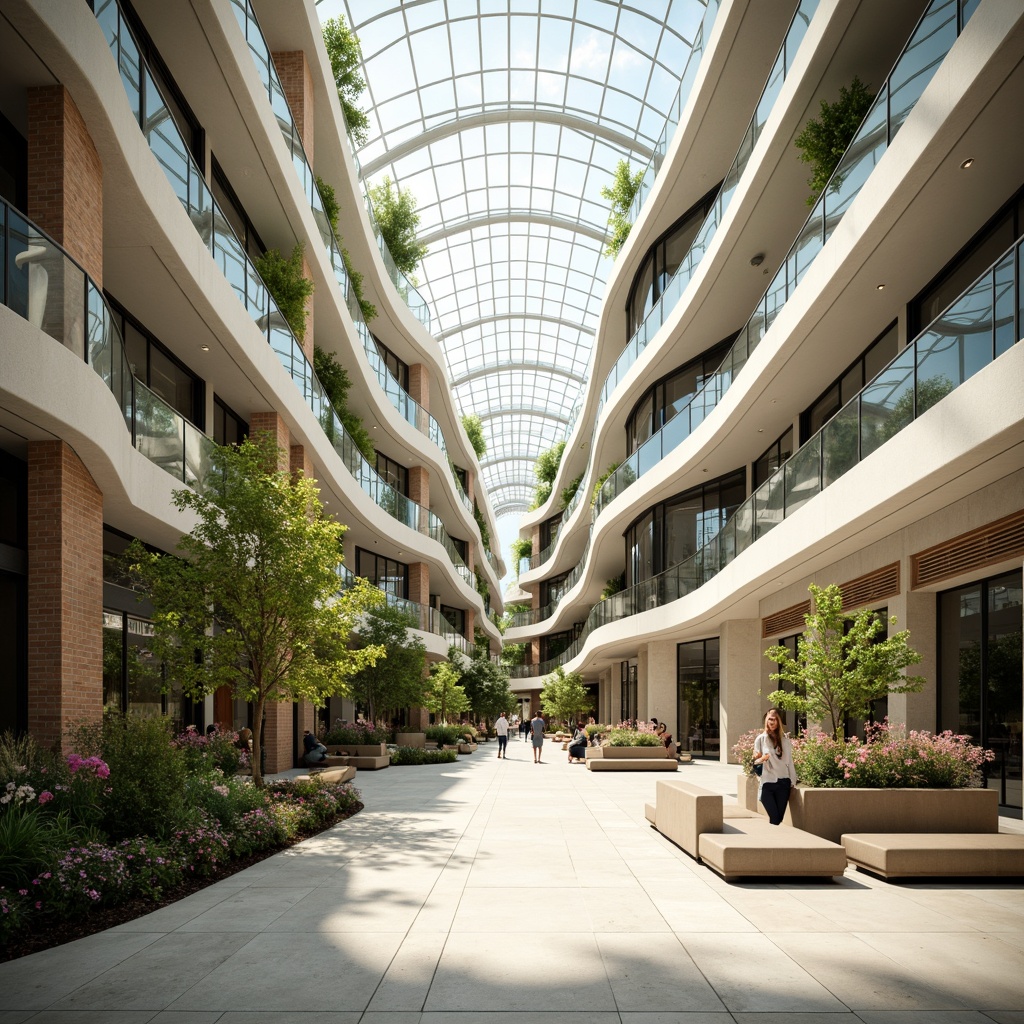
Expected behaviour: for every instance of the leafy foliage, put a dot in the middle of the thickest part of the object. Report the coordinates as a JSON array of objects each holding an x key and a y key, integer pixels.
[
  {"x": 254, "y": 602},
  {"x": 613, "y": 586},
  {"x": 546, "y": 466},
  {"x": 484, "y": 682},
  {"x": 521, "y": 547},
  {"x": 336, "y": 384},
  {"x": 601, "y": 481},
  {"x": 633, "y": 738},
  {"x": 421, "y": 755},
  {"x": 620, "y": 194},
  {"x": 445, "y": 697},
  {"x": 564, "y": 696},
  {"x": 331, "y": 210},
  {"x": 570, "y": 489},
  {"x": 396, "y": 680},
  {"x": 395, "y": 212},
  {"x": 343, "y": 50},
  {"x": 540, "y": 494},
  {"x": 481, "y": 522},
  {"x": 841, "y": 666},
  {"x": 825, "y": 139},
  {"x": 475, "y": 432},
  {"x": 285, "y": 282}
]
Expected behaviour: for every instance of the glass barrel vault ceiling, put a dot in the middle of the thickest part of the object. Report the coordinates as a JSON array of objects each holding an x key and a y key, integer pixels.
[{"x": 505, "y": 119}]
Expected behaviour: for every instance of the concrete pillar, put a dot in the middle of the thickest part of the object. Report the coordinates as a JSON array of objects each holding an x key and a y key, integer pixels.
[
  {"x": 661, "y": 684},
  {"x": 741, "y": 663},
  {"x": 642, "y": 711},
  {"x": 65, "y": 177},
  {"x": 65, "y": 592},
  {"x": 916, "y": 611}
]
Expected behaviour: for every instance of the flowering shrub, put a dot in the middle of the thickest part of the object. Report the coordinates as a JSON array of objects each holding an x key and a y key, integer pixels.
[
  {"x": 642, "y": 736},
  {"x": 744, "y": 750},
  {"x": 151, "y": 865},
  {"x": 16, "y": 796},
  {"x": 355, "y": 733},
  {"x": 96, "y": 765},
  {"x": 255, "y": 830},
  {"x": 90, "y": 874},
  {"x": 208, "y": 752},
  {"x": 420, "y": 755},
  {"x": 200, "y": 847},
  {"x": 890, "y": 757}
]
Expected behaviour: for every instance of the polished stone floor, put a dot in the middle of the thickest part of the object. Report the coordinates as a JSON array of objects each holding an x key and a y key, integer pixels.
[{"x": 514, "y": 893}]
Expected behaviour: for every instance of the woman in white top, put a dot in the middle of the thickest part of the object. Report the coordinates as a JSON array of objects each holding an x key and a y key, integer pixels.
[{"x": 774, "y": 752}]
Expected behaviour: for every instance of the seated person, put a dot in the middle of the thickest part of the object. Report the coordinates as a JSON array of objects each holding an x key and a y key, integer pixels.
[
  {"x": 315, "y": 751},
  {"x": 578, "y": 746},
  {"x": 666, "y": 738}
]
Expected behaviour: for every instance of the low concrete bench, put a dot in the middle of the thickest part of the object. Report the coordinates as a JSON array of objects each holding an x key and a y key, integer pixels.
[
  {"x": 930, "y": 855},
  {"x": 749, "y": 847},
  {"x": 344, "y": 774},
  {"x": 366, "y": 757},
  {"x": 631, "y": 764},
  {"x": 737, "y": 842}
]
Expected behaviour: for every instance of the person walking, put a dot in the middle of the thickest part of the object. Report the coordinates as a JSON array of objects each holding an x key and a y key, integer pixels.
[
  {"x": 537, "y": 734},
  {"x": 774, "y": 752},
  {"x": 501, "y": 728}
]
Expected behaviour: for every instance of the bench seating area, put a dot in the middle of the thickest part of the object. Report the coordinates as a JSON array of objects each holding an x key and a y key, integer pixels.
[
  {"x": 631, "y": 764},
  {"x": 930, "y": 855},
  {"x": 738, "y": 843},
  {"x": 343, "y": 774},
  {"x": 365, "y": 757}
]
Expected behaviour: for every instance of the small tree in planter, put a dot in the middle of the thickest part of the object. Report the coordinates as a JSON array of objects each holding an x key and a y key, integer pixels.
[
  {"x": 444, "y": 697},
  {"x": 838, "y": 669},
  {"x": 564, "y": 696}
]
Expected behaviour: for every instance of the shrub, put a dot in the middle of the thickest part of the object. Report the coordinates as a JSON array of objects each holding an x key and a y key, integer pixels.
[
  {"x": 200, "y": 845},
  {"x": 444, "y": 733},
  {"x": 633, "y": 738},
  {"x": 255, "y": 830},
  {"x": 620, "y": 195},
  {"x": 92, "y": 874},
  {"x": 284, "y": 280},
  {"x": 357, "y": 733},
  {"x": 151, "y": 865},
  {"x": 395, "y": 212},
  {"x": 744, "y": 750},
  {"x": 890, "y": 757},
  {"x": 595, "y": 730},
  {"x": 475, "y": 432},
  {"x": 601, "y": 481},
  {"x": 570, "y": 489},
  {"x": 419, "y": 755},
  {"x": 206, "y": 753},
  {"x": 146, "y": 791},
  {"x": 30, "y": 841}
]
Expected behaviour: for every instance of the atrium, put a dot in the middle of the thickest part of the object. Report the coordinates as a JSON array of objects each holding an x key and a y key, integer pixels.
[{"x": 761, "y": 388}]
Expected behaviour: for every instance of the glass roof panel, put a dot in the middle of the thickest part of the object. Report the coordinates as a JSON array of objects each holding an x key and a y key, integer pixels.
[{"x": 505, "y": 118}]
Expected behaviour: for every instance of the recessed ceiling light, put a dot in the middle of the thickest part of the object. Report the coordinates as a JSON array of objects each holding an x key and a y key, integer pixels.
[
  {"x": 967, "y": 163},
  {"x": 880, "y": 287},
  {"x": 204, "y": 348},
  {"x": 757, "y": 259}
]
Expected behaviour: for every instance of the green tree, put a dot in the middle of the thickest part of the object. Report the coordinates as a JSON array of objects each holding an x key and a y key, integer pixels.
[
  {"x": 474, "y": 428},
  {"x": 285, "y": 282},
  {"x": 826, "y": 138},
  {"x": 395, "y": 211},
  {"x": 336, "y": 384},
  {"x": 444, "y": 697},
  {"x": 254, "y": 602},
  {"x": 564, "y": 696},
  {"x": 343, "y": 50},
  {"x": 841, "y": 666},
  {"x": 485, "y": 682},
  {"x": 546, "y": 466},
  {"x": 394, "y": 681},
  {"x": 620, "y": 194}
]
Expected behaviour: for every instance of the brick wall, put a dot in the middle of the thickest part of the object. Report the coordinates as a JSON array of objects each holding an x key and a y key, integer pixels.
[
  {"x": 65, "y": 177},
  {"x": 419, "y": 485},
  {"x": 419, "y": 384},
  {"x": 271, "y": 423},
  {"x": 277, "y": 736},
  {"x": 297, "y": 82},
  {"x": 65, "y": 592},
  {"x": 419, "y": 583}
]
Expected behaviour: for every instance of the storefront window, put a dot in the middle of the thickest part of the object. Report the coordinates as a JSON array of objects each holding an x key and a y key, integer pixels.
[{"x": 697, "y": 702}]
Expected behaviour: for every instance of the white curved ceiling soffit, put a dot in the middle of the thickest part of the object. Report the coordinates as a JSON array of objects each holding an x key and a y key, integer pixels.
[{"x": 505, "y": 119}]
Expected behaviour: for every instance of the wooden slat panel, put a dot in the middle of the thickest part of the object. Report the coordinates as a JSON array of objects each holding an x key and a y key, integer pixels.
[{"x": 985, "y": 546}]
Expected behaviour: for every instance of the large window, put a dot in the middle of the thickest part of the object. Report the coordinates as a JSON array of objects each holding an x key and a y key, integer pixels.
[
  {"x": 235, "y": 214},
  {"x": 228, "y": 426},
  {"x": 549, "y": 532},
  {"x": 13, "y": 595},
  {"x": 697, "y": 697},
  {"x": 662, "y": 262},
  {"x": 777, "y": 453},
  {"x": 627, "y": 692},
  {"x": 399, "y": 370},
  {"x": 554, "y": 644},
  {"x": 384, "y": 573},
  {"x": 671, "y": 395},
  {"x": 980, "y": 674},
  {"x": 163, "y": 373},
  {"x": 672, "y": 532},
  {"x": 395, "y": 475},
  {"x": 551, "y": 590}
]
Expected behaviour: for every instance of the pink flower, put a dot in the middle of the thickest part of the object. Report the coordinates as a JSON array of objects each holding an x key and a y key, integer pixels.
[{"x": 45, "y": 797}]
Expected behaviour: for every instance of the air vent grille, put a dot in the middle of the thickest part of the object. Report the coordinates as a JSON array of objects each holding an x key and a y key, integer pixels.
[
  {"x": 993, "y": 543},
  {"x": 789, "y": 620}
]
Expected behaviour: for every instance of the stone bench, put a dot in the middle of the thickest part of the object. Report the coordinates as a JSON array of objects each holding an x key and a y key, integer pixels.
[
  {"x": 342, "y": 774},
  {"x": 931, "y": 855},
  {"x": 631, "y": 764},
  {"x": 366, "y": 757},
  {"x": 737, "y": 842}
]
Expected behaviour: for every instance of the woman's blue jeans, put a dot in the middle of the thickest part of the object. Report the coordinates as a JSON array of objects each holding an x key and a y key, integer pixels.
[{"x": 775, "y": 797}]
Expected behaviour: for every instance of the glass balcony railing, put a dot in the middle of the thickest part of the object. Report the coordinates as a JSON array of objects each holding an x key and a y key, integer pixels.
[
  {"x": 172, "y": 155},
  {"x": 674, "y": 288},
  {"x": 43, "y": 284},
  {"x": 932, "y": 38},
  {"x": 426, "y": 619},
  {"x": 986, "y": 321},
  {"x": 409, "y": 409}
]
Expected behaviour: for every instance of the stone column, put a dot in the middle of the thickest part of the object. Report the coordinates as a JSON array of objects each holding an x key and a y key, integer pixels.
[
  {"x": 916, "y": 611},
  {"x": 65, "y": 592},
  {"x": 741, "y": 664},
  {"x": 661, "y": 684}
]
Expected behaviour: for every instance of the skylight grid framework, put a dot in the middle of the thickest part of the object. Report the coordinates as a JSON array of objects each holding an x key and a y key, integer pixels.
[{"x": 505, "y": 120}]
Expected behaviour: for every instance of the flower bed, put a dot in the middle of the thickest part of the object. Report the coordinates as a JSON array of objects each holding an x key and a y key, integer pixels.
[
  {"x": 357, "y": 734},
  {"x": 67, "y": 850},
  {"x": 420, "y": 755}
]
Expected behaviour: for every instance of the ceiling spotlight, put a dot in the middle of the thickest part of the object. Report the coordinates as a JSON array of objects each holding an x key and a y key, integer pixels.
[
  {"x": 880, "y": 287},
  {"x": 757, "y": 259},
  {"x": 967, "y": 163},
  {"x": 204, "y": 348}
]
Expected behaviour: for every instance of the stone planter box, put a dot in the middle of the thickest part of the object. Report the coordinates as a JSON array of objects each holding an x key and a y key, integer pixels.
[
  {"x": 628, "y": 753},
  {"x": 368, "y": 749},
  {"x": 410, "y": 739},
  {"x": 467, "y": 748},
  {"x": 829, "y": 813}
]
